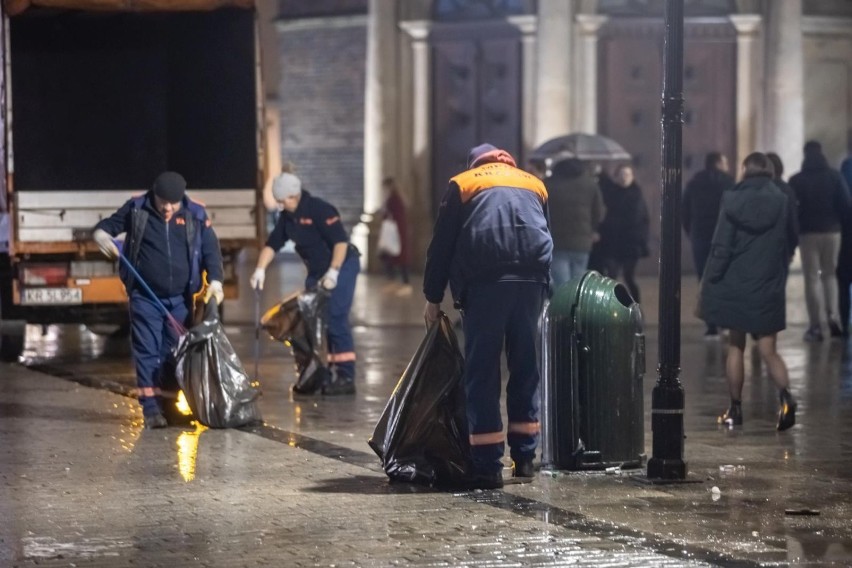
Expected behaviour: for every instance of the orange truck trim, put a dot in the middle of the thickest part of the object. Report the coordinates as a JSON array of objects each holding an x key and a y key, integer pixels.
[{"x": 472, "y": 182}]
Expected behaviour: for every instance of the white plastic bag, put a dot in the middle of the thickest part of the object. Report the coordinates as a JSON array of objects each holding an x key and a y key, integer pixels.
[{"x": 389, "y": 239}]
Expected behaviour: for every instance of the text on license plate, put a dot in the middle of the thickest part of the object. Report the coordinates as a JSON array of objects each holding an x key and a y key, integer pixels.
[{"x": 46, "y": 296}]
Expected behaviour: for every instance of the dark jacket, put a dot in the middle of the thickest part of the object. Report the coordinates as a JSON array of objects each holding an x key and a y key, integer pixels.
[
  {"x": 576, "y": 209},
  {"x": 315, "y": 227},
  {"x": 626, "y": 225},
  {"x": 701, "y": 200},
  {"x": 168, "y": 256},
  {"x": 744, "y": 280},
  {"x": 844, "y": 258},
  {"x": 822, "y": 194},
  {"x": 792, "y": 213},
  {"x": 491, "y": 226}
]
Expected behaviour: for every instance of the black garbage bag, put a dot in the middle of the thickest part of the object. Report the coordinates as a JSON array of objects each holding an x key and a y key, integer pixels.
[
  {"x": 299, "y": 321},
  {"x": 212, "y": 378},
  {"x": 421, "y": 436}
]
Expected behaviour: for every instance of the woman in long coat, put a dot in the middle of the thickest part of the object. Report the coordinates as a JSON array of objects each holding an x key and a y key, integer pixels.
[{"x": 744, "y": 280}]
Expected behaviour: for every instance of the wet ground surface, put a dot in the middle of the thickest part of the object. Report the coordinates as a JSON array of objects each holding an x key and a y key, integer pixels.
[{"x": 84, "y": 485}]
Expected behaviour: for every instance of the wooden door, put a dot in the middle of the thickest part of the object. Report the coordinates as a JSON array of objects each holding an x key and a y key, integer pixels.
[
  {"x": 476, "y": 95},
  {"x": 630, "y": 103}
]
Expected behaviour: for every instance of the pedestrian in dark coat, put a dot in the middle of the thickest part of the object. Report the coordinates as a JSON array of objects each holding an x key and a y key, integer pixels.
[
  {"x": 701, "y": 200},
  {"x": 792, "y": 200},
  {"x": 844, "y": 259},
  {"x": 823, "y": 201},
  {"x": 624, "y": 229},
  {"x": 745, "y": 277}
]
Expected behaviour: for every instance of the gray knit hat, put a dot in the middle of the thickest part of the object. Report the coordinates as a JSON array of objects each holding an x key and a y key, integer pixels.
[{"x": 286, "y": 185}]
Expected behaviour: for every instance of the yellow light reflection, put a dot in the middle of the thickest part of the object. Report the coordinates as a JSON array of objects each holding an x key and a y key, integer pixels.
[
  {"x": 182, "y": 405},
  {"x": 187, "y": 447}
]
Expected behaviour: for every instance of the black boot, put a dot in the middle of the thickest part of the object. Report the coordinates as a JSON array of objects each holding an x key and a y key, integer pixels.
[
  {"x": 523, "y": 468},
  {"x": 733, "y": 416},
  {"x": 337, "y": 385},
  {"x": 787, "y": 414}
]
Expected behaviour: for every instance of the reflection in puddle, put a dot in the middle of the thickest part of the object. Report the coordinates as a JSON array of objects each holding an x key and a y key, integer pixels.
[{"x": 187, "y": 448}]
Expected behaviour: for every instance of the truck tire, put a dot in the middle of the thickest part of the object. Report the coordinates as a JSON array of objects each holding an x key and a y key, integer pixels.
[{"x": 12, "y": 336}]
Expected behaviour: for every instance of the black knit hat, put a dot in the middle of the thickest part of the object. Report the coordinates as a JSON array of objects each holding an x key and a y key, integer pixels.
[{"x": 170, "y": 187}]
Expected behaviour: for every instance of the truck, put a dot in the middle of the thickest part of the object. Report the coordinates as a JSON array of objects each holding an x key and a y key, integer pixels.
[{"x": 98, "y": 98}]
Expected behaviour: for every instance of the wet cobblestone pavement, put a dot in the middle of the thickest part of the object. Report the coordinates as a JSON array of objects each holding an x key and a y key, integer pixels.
[{"x": 84, "y": 485}]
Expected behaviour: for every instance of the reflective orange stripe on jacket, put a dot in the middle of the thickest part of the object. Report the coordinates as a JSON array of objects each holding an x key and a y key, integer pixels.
[
  {"x": 531, "y": 428},
  {"x": 147, "y": 392},
  {"x": 341, "y": 357},
  {"x": 487, "y": 438}
]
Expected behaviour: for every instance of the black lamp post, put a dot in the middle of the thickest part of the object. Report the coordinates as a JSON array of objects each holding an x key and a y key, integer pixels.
[{"x": 666, "y": 462}]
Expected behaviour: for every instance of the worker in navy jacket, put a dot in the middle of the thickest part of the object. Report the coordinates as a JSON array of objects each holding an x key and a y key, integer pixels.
[
  {"x": 321, "y": 241},
  {"x": 169, "y": 242},
  {"x": 492, "y": 244}
]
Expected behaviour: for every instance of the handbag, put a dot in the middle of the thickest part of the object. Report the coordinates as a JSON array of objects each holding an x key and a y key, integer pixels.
[{"x": 390, "y": 242}]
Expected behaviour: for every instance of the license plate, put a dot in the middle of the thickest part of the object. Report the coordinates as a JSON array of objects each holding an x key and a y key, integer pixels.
[{"x": 52, "y": 296}]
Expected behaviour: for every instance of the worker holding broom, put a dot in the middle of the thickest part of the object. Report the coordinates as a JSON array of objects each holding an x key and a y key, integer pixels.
[{"x": 169, "y": 243}]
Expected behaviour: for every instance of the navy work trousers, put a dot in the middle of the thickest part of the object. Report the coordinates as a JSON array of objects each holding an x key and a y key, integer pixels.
[
  {"x": 341, "y": 346},
  {"x": 151, "y": 340},
  {"x": 495, "y": 314}
]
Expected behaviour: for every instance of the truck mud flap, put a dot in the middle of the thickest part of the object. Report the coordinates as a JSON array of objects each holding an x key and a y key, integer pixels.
[{"x": 12, "y": 336}]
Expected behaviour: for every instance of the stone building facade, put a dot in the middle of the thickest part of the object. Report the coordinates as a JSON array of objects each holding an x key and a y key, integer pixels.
[{"x": 370, "y": 88}]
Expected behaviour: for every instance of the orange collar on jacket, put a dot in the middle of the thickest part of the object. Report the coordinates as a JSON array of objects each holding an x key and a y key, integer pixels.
[{"x": 496, "y": 174}]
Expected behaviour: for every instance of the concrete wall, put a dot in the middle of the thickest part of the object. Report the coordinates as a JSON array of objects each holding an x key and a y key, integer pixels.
[{"x": 321, "y": 89}]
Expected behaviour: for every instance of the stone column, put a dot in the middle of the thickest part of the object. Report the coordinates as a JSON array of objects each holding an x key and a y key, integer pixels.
[
  {"x": 380, "y": 100},
  {"x": 784, "y": 118},
  {"x": 415, "y": 157},
  {"x": 379, "y": 114},
  {"x": 748, "y": 76},
  {"x": 588, "y": 26},
  {"x": 553, "y": 77},
  {"x": 527, "y": 25}
]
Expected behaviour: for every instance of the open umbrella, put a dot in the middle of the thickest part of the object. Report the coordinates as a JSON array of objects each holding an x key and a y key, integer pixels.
[{"x": 581, "y": 147}]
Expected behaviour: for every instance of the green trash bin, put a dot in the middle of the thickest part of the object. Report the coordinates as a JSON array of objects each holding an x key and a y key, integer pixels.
[{"x": 593, "y": 365}]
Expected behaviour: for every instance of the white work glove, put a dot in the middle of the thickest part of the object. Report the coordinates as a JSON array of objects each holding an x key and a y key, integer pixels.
[
  {"x": 106, "y": 244},
  {"x": 215, "y": 290},
  {"x": 257, "y": 279},
  {"x": 329, "y": 280}
]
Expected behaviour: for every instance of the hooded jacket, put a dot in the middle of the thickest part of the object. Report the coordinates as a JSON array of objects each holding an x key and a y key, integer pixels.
[
  {"x": 492, "y": 226},
  {"x": 744, "y": 280},
  {"x": 701, "y": 200}
]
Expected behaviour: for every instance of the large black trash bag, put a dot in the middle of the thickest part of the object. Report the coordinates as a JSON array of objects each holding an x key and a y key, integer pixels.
[
  {"x": 299, "y": 321},
  {"x": 215, "y": 384},
  {"x": 421, "y": 436}
]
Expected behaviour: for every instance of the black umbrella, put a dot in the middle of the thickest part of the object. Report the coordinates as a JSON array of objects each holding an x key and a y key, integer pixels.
[{"x": 592, "y": 147}]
